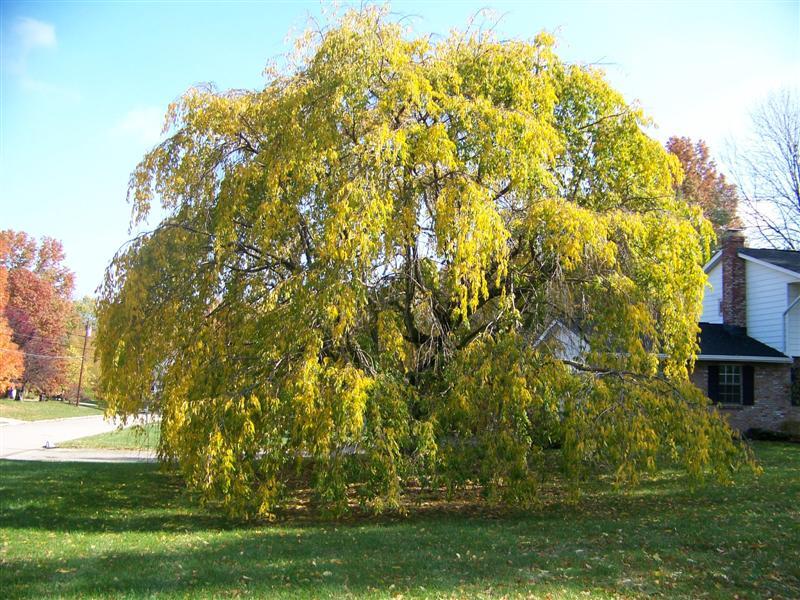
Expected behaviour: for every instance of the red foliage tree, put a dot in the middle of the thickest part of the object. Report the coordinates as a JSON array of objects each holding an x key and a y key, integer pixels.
[
  {"x": 703, "y": 185},
  {"x": 38, "y": 308},
  {"x": 11, "y": 364}
]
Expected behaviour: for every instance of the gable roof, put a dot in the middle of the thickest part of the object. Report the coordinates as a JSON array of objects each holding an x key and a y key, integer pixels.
[
  {"x": 713, "y": 262},
  {"x": 566, "y": 341},
  {"x": 788, "y": 260},
  {"x": 726, "y": 343}
]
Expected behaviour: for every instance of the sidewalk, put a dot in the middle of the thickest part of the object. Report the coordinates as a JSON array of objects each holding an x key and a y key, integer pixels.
[
  {"x": 83, "y": 455},
  {"x": 26, "y": 440}
]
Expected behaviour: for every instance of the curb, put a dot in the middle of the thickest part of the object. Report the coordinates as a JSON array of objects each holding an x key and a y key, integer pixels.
[{"x": 76, "y": 455}]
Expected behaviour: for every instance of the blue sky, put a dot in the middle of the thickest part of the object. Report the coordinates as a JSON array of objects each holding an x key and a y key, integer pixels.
[{"x": 84, "y": 85}]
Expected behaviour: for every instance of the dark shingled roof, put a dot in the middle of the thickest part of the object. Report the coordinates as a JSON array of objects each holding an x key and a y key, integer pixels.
[
  {"x": 787, "y": 259},
  {"x": 724, "y": 340}
]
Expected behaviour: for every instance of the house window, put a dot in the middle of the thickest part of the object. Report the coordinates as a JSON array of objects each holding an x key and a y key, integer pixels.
[{"x": 730, "y": 384}]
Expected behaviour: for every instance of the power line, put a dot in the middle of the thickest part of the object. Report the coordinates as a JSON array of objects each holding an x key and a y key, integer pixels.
[
  {"x": 53, "y": 356},
  {"x": 46, "y": 338}
]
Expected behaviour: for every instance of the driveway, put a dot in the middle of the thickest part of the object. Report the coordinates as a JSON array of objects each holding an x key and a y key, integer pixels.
[{"x": 26, "y": 440}]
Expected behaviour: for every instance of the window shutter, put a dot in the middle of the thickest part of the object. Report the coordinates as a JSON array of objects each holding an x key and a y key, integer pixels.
[
  {"x": 713, "y": 383},
  {"x": 748, "y": 385}
]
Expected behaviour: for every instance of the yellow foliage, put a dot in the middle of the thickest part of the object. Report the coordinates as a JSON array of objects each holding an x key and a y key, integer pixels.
[{"x": 358, "y": 260}]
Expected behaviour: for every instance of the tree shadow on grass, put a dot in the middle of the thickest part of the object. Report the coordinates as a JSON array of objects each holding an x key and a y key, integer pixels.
[
  {"x": 95, "y": 497},
  {"x": 138, "y": 497},
  {"x": 663, "y": 538},
  {"x": 465, "y": 557},
  {"x": 311, "y": 564}
]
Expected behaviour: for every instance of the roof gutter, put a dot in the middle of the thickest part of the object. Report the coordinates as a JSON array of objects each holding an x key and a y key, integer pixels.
[{"x": 737, "y": 358}]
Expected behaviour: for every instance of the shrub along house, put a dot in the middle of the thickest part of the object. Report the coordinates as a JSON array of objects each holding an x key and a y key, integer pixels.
[{"x": 750, "y": 334}]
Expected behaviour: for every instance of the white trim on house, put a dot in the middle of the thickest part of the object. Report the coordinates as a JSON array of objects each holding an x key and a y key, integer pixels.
[
  {"x": 765, "y": 263},
  {"x": 569, "y": 345},
  {"x": 786, "y": 324},
  {"x": 547, "y": 330},
  {"x": 713, "y": 262},
  {"x": 749, "y": 359}
]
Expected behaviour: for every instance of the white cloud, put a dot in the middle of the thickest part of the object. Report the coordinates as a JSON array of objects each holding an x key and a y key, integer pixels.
[
  {"x": 34, "y": 34},
  {"x": 27, "y": 36},
  {"x": 37, "y": 86},
  {"x": 142, "y": 124}
]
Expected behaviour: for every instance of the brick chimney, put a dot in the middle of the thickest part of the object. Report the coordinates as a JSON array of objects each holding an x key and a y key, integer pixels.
[{"x": 734, "y": 296}]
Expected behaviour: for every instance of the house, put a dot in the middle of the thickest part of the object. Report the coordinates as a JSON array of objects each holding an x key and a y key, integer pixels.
[
  {"x": 750, "y": 334},
  {"x": 563, "y": 341}
]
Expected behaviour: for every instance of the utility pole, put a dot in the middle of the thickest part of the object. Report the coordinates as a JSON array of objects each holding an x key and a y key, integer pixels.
[{"x": 83, "y": 357}]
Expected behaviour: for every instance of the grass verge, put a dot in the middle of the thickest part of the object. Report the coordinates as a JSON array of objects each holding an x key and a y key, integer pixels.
[
  {"x": 31, "y": 410},
  {"x": 138, "y": 437},
  {"x": 130, "y": 531}
]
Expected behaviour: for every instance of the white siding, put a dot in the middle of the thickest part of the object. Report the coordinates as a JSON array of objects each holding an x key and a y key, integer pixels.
[
  {"x": 793, "y": 324},
  {"x": 767, "y": 295},
  {"x": 713, "y": 296},
  {"x": 793, "y": 321},
  {"x": 572, "y": 345},
  {"x": 565, "y": 343}
]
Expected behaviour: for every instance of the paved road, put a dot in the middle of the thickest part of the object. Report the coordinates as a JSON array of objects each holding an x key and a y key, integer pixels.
[{"x": 26, "y": 440}]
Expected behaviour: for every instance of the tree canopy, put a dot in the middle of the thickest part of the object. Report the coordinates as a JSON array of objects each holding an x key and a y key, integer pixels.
[
  {"x": 703, "y": 185},
  {"x": 81, "y": 349},
  {"x": 359, "y": 262},
  {"x": 37, "y": 308},
  {"x": 767, "y": 169},
  {"x": 11, "y": 363}
]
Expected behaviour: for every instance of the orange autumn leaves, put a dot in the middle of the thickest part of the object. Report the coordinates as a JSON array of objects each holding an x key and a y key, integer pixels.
[
  {"x": 35, "y": 312},
  {"x": 11, "y": 362}
]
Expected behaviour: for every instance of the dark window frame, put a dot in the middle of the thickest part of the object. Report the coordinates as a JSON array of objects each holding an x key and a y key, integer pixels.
[{"x": 719, "y": 376}]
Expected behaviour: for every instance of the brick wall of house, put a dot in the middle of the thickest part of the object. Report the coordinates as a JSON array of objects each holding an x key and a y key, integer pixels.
[{"x": 771, "y": 403}]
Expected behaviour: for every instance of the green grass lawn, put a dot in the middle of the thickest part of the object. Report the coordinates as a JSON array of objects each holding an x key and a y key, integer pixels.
[
  {"x": 33, "y": 410},
  {"x": 132, "y": 438},
  {"x": 129, "y": 531}
]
